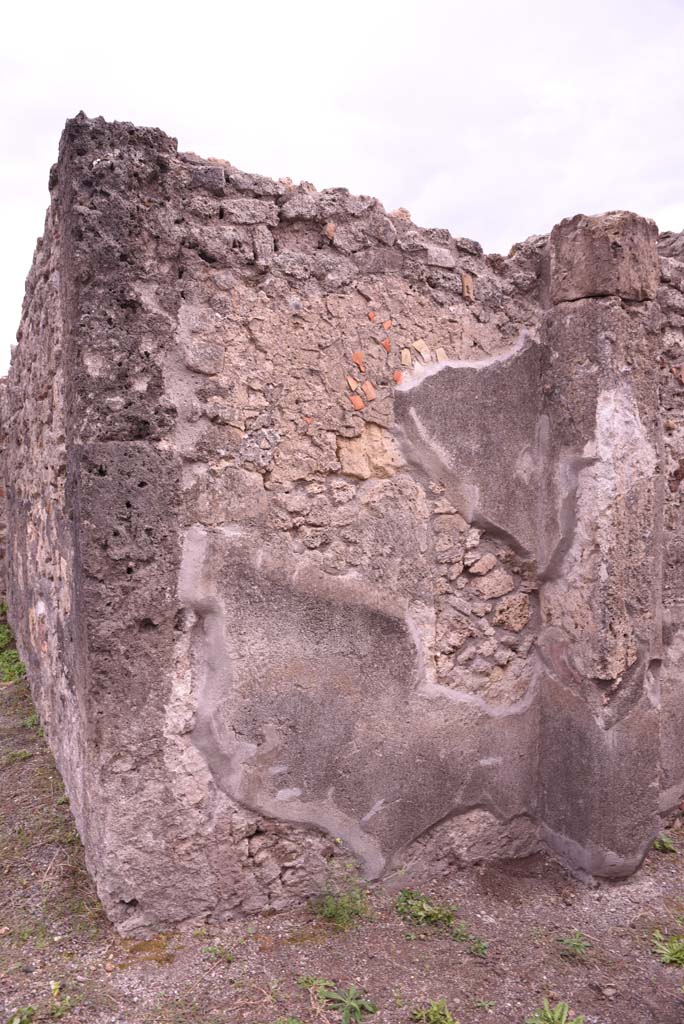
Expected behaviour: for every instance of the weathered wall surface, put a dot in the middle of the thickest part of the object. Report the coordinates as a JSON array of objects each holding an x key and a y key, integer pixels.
[
  {"x": 671, "y": 365},
  {"x": 327, "y": 532},
  {"x": 42, "y": 559}
]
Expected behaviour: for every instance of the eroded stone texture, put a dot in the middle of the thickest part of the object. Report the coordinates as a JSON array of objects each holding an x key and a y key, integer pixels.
[
  {"x": 614, "y": 254},
  {"x": 330, "y": 534}
]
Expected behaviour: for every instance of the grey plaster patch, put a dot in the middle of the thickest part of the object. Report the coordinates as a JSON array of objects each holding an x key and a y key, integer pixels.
[{"x": 312, "y": 707}]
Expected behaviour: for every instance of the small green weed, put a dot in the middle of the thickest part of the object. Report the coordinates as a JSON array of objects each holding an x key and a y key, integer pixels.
[
  {"x": 669, "y": 950},
  {"x": 573, "y": 946},
  {"x": 32, "y": 721},
  {"x": 558, "y": 1014},
  {"x": 663, "y": 844},
  {"x": 478, "y": 947},
  {"x": 288, "y": 1020},
  {"x": 61, "y": 1007},
  {"x": 315, "y": 985},
  {"x": 342, "y": 909},
  {"x": 23, "y": 1016},
  {"x": 416, "y": 908},
  {"x": 11, "y": 667},
  {"x": 421, "y": 910},
  {"x": 219, "y": 954},
  {"x": 484, "y": 1004},
  {"x": 6, "y": 638},
  {"x": 434, "y": 1013},
  {"x": 16, "y": 756},
  {"x": 461, "y": 933},
  {"x": 350, "y": 1003}
]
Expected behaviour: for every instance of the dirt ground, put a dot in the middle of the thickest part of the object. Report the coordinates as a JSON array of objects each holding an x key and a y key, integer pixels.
[{"x": 59, "y": 955}]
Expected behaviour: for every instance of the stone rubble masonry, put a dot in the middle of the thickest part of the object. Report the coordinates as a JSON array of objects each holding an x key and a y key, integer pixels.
[{"x": 329, "y": 535}]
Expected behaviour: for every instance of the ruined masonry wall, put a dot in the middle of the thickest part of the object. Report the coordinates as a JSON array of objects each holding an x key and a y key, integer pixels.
[
  {"x": 303, "y": 550},
  {"x": 41, "y": 559},
  {"x": 671, "y": 367}
]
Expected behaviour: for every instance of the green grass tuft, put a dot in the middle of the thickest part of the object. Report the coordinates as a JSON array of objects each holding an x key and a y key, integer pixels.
[
  {"x": 573, "y": 946},
  {"x": 434, "y": 1013},
  {"x": 670, "y": 950},
  {"x": 558, "y": 1014},
  {"x": 342, "y": 909},
  {"x": 413, "y": 907},
  {"x": 11, "y": 667}
]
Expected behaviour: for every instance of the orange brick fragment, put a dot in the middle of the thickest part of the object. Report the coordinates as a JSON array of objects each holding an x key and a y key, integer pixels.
[
  {"x": 468, "y": 287},
  {"x": 371, "y": 315},
  {"x": 387, "y": 324},
  {"x": 329, "y": 230},
  {"x": 357, "y": 359},
  {"x": 386, "y": 344},
  {"x": 308, "y": 419},
  {"x": 353, "y": 384},
  {"x": 368, "y": 390},
  {"x": 397, "y": 375},
  {"x": 357, "y": 402}
]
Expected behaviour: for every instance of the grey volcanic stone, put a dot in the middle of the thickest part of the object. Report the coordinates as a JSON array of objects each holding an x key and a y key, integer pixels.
[
  {"x": 614, "y": 254},
  {"x": 328, "y": 536}
]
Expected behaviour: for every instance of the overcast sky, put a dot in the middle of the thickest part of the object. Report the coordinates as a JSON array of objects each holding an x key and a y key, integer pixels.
[{"x": 493, "y": 118}]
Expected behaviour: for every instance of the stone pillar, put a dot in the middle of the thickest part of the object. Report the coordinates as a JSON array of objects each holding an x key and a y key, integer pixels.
[{"x": 600, "y": 544}]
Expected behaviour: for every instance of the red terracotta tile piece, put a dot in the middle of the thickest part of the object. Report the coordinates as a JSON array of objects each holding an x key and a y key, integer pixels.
[
  {"x": 357, "y": 359},
  {"x": 357, "y": 402},
  {"x": 387, "y": 324},
  {"x": 468, "y": 287},
  {"x": 371, "y": 315},
  {"x": 386, "y": 344},
  {"x": 397, "y": 375}
]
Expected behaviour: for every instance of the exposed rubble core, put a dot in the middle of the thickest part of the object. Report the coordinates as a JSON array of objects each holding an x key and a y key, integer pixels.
[{"x": 327, "y": 532}]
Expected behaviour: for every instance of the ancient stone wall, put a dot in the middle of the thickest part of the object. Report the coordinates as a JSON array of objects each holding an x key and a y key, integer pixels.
[
  {"x": 329, "y": 534},
  {"x": 3, "y": 503}
]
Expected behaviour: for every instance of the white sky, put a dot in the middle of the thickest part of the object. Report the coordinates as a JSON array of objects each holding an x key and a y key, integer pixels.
[{"x": 494, "y": 118}]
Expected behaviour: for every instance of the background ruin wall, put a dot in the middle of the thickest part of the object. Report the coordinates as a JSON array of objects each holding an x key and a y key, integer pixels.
[{"x": 327, "y": 533}]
